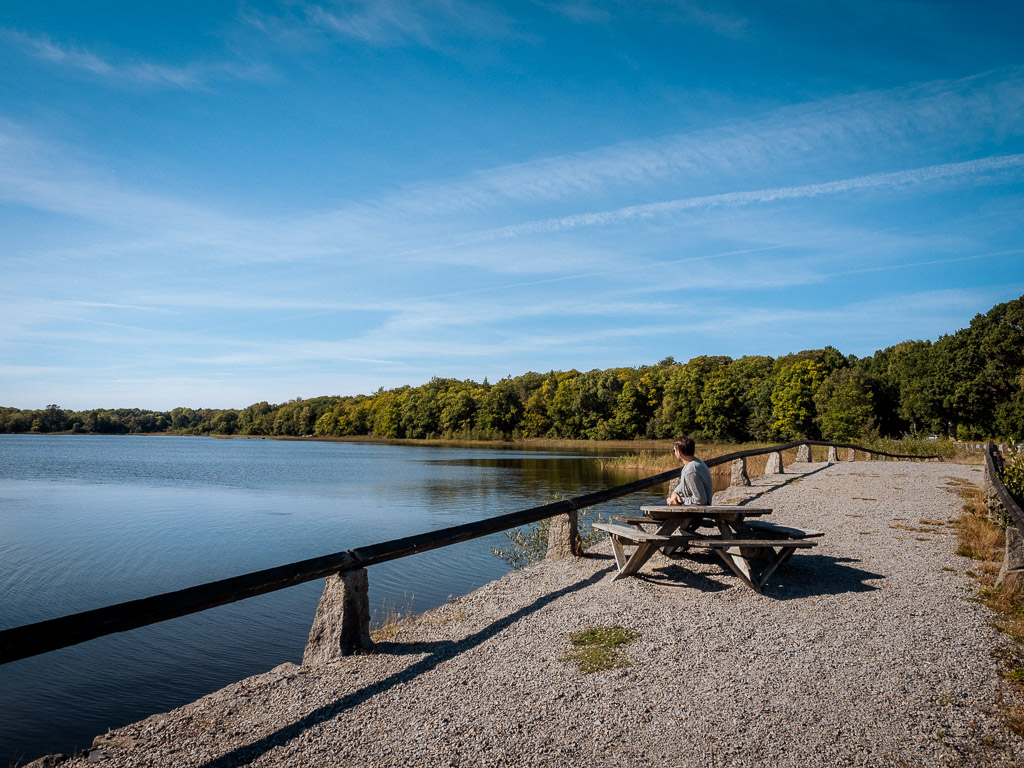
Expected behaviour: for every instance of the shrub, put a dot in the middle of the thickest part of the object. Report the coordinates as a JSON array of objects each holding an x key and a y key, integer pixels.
[
  {"x": 1013, "y": 477},
  {"x": 530, "y": 543}
]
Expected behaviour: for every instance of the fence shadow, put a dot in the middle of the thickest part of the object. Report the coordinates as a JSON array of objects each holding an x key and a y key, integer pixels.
[
  {"x": 438, "y": 652},
  {"x": 775, "y": 483}
]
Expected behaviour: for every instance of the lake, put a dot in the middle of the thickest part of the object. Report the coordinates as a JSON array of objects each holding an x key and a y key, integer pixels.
[{"x": 87, "y": 521}]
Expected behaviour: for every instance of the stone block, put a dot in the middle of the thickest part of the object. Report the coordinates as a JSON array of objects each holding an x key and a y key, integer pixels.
[
  {"x": 1013, "y": 558},
  {"x": 803, "y": 453},
  {"x": 774, "y": 465},
  {"x": 564, "y": 537},
  {"x": 739, "y": 476},
  {"x": 851, "y": 454},
  {"x": 342, "y": 623},
  {"x": 833, "y": 457}
]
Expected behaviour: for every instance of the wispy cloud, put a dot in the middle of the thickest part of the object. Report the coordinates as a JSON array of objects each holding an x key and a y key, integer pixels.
[
  {"x": 942, "y": 172},
  {"x": 190, "y": 77},
  {"x": 381, "y": 22},
  {"x": 677, "y": 12},
  {"x": 431, "y": 24},
  {"x": 436, "y": 219},
  {"x": 811, "y": 137}
]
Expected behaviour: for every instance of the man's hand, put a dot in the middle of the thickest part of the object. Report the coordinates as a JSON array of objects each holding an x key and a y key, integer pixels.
[{"x": 674, "y": 500}]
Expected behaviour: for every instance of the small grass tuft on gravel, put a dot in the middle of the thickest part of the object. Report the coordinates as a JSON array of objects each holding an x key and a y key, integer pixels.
[{"x": 597, "y": 648}]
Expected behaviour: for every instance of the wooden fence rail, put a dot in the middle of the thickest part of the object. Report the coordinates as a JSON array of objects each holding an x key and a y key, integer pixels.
[
  {"x": 53, "y": 634},
  {"x": 993, "y": 470}
]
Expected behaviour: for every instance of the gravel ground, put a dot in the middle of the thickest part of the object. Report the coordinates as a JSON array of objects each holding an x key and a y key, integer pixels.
[{"x": 867, "y": 650}]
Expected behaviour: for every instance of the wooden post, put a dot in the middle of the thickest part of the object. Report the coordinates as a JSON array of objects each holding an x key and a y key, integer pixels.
[
  {"x": 774, "y": 465},
  {"x": 803, "y": 453},
  {"x": 739, "y": 475},
  {"x": 342, "y": 623},
  {"x": 564, "y": 537},
  {"x": 833, "y": 457}
]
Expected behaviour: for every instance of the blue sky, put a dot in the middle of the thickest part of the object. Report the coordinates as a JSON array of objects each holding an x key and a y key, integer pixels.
[{"x": 212, "y": 204}]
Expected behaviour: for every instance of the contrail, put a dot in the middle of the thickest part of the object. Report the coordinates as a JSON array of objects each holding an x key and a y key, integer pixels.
[{"x": 892, "y": 179}]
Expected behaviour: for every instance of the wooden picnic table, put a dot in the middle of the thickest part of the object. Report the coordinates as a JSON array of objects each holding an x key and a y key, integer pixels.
[{"x": 752, "y": 549}]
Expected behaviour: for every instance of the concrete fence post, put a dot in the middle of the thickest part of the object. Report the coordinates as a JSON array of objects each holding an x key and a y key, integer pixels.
[
  {"x": 774, "y": 465},
  {"x": 803, "y": 453},
  {"x": 342, "y": 623},
  {"x": 564, "y": 537},
  {"x": 739, "y": 473},
  {"x": 1013, "y": 556}
]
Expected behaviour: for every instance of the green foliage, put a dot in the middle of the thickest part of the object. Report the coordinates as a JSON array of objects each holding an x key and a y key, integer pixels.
[
  {"x": 970, "y": 384},
  {"x": 793, "y": 410},
  {"x": 1009, "y": 415},
  {"x": 501, "y": 409},
  {"x": 732, "y": 394},
  {"x": 597, "y": 648},
  {"x": 844, "y": 404},
  {"x": 529, "y": 543},
  {"x": 1013, "y": 477}
]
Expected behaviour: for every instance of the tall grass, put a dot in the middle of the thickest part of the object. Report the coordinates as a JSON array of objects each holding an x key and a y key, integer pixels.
[
  {"x": 650, "y": 462},
  {"x": 659, "y": 459},
  {"x": 981, "y": 532},
  {"x": 979, "y": 529},
  {"x": 914, "y": 446},
  {"x": 389, "y": 619}
]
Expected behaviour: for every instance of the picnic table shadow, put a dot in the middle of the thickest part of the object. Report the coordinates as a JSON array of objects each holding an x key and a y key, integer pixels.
[
  {"x": 437, "y": 653},
  {"x": 806, "y": 575}
]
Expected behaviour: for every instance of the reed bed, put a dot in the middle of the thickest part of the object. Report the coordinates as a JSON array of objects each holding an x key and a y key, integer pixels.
[{"x": 647, "y": 462}]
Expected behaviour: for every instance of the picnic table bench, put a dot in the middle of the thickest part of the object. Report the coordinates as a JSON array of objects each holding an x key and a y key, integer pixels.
[{"x": 740, "y": 543}]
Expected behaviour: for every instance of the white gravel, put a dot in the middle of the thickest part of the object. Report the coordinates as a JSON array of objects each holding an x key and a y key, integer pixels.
[{"x": 868, "y": 650}]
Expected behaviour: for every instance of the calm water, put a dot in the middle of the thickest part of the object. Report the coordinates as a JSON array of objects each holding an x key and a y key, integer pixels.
[{"x": 90, "y": 521}]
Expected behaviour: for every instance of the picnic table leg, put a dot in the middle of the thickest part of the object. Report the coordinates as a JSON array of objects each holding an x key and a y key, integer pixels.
[
  {"x": 740, "y": 567},
  {"x": 619, "y": 552},
  {"x": 640, "y": 555},
  {"x": 780, "y": 558},
  {"x": 735, "y": 557},
  {"x": 738, "y": 526},
  {"x": 688, "y": 524}
]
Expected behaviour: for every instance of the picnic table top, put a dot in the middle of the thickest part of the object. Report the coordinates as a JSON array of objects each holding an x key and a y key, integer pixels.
[{"x": 661, "y": 511}]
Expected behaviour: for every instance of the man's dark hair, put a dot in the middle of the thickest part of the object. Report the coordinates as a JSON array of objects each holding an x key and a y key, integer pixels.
[{"x": 685, "y": 445}]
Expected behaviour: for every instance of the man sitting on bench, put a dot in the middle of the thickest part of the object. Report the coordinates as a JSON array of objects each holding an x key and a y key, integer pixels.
[{"x": 695, "y": 485}]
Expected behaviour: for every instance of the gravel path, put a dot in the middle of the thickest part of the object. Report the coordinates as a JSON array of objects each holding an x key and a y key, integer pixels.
[{"x": 867, "y": 650}]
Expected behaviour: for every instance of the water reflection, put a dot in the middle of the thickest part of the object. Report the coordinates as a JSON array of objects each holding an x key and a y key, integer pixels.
[{"x": 90, "y": 521}]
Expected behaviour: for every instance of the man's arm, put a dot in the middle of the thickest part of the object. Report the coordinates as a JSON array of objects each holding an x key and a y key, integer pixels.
[{"x": 675, "y": 496}]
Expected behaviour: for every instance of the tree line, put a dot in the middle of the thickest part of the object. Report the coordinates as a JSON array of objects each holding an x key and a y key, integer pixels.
[{"x": 967, "y": 385}]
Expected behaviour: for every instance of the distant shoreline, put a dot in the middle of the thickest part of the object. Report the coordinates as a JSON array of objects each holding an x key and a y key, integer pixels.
[{"x": 543, "y": 443}]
